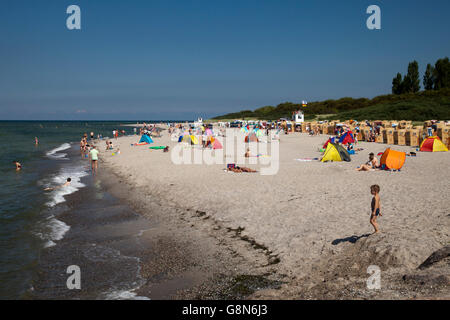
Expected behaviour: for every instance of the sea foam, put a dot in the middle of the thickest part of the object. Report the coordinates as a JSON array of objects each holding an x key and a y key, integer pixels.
[
  {"x": 75, "y": 173},
  {"x": 55, "y": 153}
]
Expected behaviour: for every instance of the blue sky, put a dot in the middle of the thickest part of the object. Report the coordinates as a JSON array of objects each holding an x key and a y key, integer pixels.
[{"x": 182, "y": 59}]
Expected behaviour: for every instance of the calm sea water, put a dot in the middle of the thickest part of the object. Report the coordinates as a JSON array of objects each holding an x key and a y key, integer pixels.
[{"x": 28, "y": 215}]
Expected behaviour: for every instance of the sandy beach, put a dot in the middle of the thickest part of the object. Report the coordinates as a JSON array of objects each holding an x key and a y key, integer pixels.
[{"x": 308, "y": 225}]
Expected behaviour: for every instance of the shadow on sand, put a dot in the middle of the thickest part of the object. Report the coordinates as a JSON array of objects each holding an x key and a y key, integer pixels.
[{"x": 351, "y": 239}]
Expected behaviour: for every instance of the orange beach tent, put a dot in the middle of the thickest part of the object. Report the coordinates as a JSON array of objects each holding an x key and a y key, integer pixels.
[
  {"x": 433, "y": 144},
  {"x": 392, "y": 159}
]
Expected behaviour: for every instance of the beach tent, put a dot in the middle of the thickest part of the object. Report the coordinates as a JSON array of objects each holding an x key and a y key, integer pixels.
[
  {"x": 335, "y": 152},
  {"x": 347, "y": 138},
  {"x": 433, "y": 144},
  {"x": 217, "y": 144},
  {"x": 209, "y": 132},
  {"x": 392, "y": 159},
  {"x": 186, "y": 138},
  {"x": 251, "y": 138},
  {"x": 146, "y": 138},
  {"x": 209, "y": 141},
  {"x": 331, "y": 139},
  {"x": 194, "y": 139},
  {"x": 258, "y": 133}
]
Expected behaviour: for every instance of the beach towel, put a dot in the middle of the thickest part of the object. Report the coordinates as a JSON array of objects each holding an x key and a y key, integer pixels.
[{"x": 157, "y": 147}]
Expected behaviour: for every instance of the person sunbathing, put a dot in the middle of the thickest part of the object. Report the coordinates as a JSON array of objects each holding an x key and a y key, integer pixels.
[
  {"x": 238, "y": 169},
  {"x": 369, "y": 165}
]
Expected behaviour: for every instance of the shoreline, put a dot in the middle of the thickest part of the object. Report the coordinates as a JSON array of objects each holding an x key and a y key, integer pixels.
[
  {"x": 313, "y": 278},
  {"x": 194, "y": 257}
]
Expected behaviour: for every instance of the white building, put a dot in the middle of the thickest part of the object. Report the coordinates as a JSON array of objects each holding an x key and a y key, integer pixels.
[
  {"x": 198, "y": 123},
  {"x": 298, "y": 117}
]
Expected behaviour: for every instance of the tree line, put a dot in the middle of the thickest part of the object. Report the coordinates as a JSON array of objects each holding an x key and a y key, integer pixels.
[
  {"x": 435, "y": 78},
  {"x": 406, "y": 101}
]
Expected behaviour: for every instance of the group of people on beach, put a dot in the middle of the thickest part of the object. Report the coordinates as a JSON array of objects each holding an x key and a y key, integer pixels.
[{"x": 89, "y": 150}]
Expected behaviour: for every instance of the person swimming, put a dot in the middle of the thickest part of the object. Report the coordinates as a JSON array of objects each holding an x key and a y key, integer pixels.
[
  {"x": 67, "y": 183},
  {"x": 18, "y": 165}
]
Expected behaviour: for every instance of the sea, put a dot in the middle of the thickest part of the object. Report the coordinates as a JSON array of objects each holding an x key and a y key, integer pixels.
[{"x": 43, "y": 233}]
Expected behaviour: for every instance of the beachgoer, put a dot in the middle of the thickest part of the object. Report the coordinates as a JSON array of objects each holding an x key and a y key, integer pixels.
[
  {"x": 241, "y": 169},
  {"x": 36, "y": 141},
  {"x": 93, "y": 155},
  {"x": 369, "y": 165},
  {"x": 18, "y": 165},
  {"x": 434, "y": 129},
  {"x": 61, "y": 186},
  {"x": 375, "y": 207},
  {"x": 92, "y": 135}
]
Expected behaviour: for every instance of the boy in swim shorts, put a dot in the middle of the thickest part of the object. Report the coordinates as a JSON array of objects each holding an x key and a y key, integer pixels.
[{"x": 375, "y": 206}]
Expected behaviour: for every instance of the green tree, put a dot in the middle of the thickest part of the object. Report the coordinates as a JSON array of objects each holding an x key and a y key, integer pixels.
[
  {"x": 442, "y": 74},
  {"x": 397, "y": 84},
  {"x": 428, "y": 78},
  {"x": 412, "y": 82},
  {"x": 406, "y": 84}
]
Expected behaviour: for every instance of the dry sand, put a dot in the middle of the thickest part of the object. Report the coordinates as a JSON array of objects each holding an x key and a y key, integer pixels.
[{"x": 311, "y": 220}]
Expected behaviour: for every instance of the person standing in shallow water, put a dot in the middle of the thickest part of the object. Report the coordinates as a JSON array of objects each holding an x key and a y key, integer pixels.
[
  {"x": 375, "y": 207},
  {"x": 93, "y": 155}
]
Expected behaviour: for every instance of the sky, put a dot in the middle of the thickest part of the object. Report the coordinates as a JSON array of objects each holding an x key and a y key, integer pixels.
[{"x": 155, "y": 60}]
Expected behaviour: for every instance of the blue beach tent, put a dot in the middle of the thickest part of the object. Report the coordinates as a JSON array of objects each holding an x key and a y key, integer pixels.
[{"x": 146, "y": 138}]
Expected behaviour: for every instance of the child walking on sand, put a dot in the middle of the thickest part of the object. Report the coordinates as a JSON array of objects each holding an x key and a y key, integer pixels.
[{"x": 375, "y": 206}]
